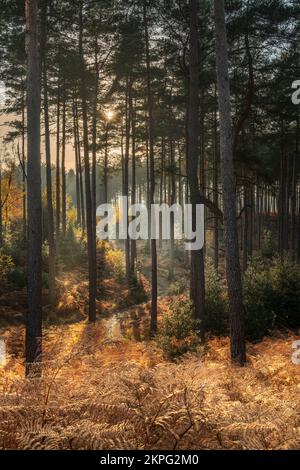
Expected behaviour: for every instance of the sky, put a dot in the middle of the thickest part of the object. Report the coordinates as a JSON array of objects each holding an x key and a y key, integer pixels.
[{"x": 4, "y": 129}]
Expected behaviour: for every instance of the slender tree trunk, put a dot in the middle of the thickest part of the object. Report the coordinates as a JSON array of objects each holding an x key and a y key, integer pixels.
[
  {"x": 297, "y": 159},
  {"x": 33, "y": 339},
  {"x": 251, "y": 221},
  {"x": 294, "y": 190},
  {"x": 128, "y": 99},
  {"x": 293, "y": 205},
  {"x": 24, "y": 213},
  {"x": 148, "y": 248},
  {"x": 216, "y": 190},
  {"x": 51, "y": 237},
  {"x": 161, "y": 189},
  {"x": 105, "y": 172},
  {"x": 153, "y": 325},
  {"x": 246, "y": 224},
  {"x": 172, "y": 201},
  {"x": 89, "y": 218},
  {"x": 58, "y": 162},
  {"x": 78, "y": 200},
  {"x": 63, "y": 170},
  {"x": 260, "y": 196},
  {"x": 233, "y": 273},
  {"x": 94, "y": 152},
  {"x": 133, "y": 186},
  {"x": 83, "y": 218},
  {"x": 1, "y": 221},
  {"x": 197, "y": 288}
]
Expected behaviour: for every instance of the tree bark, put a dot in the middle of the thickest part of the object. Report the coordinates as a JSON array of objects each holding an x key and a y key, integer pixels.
[
  {"x": 58, "y": 161},
  {"x": 128, "y": 99},
  {"x": 83, "y": 218},
  {"x": 34, "y": 316},
  {"x": 105, "y": 172},
  {"x": 216, "y": 190},
  {"x": 94, "y": 152},
  {"x": 1, "y": 221},
  {"x": 133, "y": 253},
  {"x": 153, "y": 324},
  {"x": 78, "y": 200},
  {"x": 197, "y": 287},
  {"x": 233, "y": 273},
  {"x": 63, "y": 169},
  {"x": 51, "y": 237},
  {"x": 24, "y": 208},
  {"x": 172, "y": 200},
  {"x": 89, "y": 218}
]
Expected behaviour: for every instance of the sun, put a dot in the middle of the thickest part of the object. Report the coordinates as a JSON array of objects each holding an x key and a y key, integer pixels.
[{"x": 109, "y": 114}]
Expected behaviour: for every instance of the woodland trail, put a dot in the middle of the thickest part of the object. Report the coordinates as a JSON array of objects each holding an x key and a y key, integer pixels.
[{"x": 113, "y": 324}]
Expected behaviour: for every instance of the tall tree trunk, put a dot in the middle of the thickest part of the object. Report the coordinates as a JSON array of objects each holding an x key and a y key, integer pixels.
[
  {"x": 83, "y": 218},
  {"x": 63, "y": 169},
  {"x": 246, "y": 224},
  {"x": 78, "y": 200},
  {"x": 128, "y": 99},
  {"x": 24, "y": 214},
  {"x": 293, "y": 202},
  {"x": 161, "y": 189},
  {"x": 1, "y": 221},
  {"x": 105, "y": 172},
  {"x": 148, "y": 248},
  {"x": 51, "y": 237},
  {"x": 94, "y": 152},
  {"x": 133, "y": 184},
  {"x": 34, "y": 315},
  {"x": 58, "y": 161},
  {"x": 172, "y": 201},
  {"x": 197, "y": 288},
  {"x": 216, "y": 190},
  {"x": 297, "y": 158},
  {"x": 233, "y": 273},
  {"x": 89, "y": 218},
  {"x": 153, "y": 325}
]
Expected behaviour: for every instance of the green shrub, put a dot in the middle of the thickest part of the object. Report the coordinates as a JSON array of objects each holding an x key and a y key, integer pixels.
[
  {"x": 116, "y": 263},
  {"x": 18, "y": 277},
  {"x": 178, "y": 287},
  {"x": 285, "y": 276},
  {"x": 259, "y": 301},
  {"x": 15, "y": 247},
  {"x": 216, "y": 320},
  {"x": 6, "y": 267},
  {"x": 178, "y": 333},
  {"x": 271, "y": 296},
  {"x": 268, "y": 244},
  {"x": 138, "y": 293},
  {"x": 71, "y": 250}
]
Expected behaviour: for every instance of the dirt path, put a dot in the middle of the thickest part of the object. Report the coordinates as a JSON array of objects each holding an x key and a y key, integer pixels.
[{"x": 113, "y": 324}]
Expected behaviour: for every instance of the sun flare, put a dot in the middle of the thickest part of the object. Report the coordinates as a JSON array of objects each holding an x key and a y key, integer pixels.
[{"x": 109, "y": 115}]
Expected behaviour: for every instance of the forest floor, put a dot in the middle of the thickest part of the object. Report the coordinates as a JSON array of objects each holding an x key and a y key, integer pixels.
[{"x": 107, "y": 386}]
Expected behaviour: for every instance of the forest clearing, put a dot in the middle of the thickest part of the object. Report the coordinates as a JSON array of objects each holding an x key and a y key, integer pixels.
[{"x": 149, "y": 225}]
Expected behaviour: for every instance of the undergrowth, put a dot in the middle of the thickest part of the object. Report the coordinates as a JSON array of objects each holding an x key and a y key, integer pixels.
[{"x": 119, "y": 397}]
